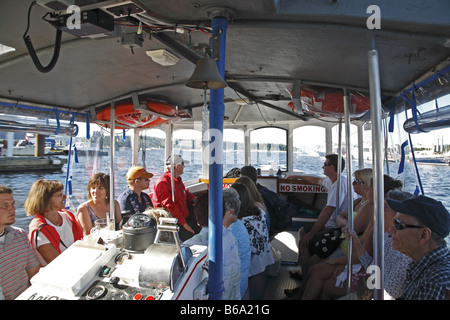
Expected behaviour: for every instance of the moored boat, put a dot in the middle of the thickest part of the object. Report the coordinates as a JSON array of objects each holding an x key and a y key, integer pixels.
[{"x": 431, "y": 157}]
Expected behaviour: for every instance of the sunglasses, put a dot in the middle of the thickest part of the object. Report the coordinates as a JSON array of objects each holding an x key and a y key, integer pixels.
[
  {"x": 327, "y": 164},
  {"x": 401, "y": 226},
  {"x": 357, "y": 181}
]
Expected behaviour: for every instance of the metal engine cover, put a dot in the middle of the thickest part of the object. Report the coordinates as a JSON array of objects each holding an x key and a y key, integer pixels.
[{"x": 161, "y": 263}]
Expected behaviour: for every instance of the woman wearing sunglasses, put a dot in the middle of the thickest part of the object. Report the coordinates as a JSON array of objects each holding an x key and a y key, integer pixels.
[
  {"x": 327, "y": 280},
  {"x": 361, "y": 186}
]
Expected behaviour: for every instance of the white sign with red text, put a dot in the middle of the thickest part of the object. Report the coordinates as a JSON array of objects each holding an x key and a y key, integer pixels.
[{"x": 305, "y": 188}]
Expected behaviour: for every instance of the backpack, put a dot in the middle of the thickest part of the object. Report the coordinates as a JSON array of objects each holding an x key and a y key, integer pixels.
[{"x": 280, "y": 211}]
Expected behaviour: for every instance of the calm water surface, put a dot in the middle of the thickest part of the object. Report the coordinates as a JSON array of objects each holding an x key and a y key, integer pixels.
[{"x": 435, "y": 179}]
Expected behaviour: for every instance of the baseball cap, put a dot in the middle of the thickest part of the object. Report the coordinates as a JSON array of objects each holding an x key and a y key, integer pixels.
[
  {"x": 431, "y": 212},
  {"x": 177, "y": 159},
  {"x": 138, "y": 172}
]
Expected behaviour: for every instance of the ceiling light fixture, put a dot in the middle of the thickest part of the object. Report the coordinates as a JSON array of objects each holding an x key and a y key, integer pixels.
[
  {"x": 5, "y": 49},
  {"x": 163, "y": 57}
]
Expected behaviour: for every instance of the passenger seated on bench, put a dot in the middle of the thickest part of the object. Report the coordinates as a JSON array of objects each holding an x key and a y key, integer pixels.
[
  {"x": 419, "y": 230},
  {"x": 279, "y": 211},
  {"x": 396, "y": 263},
  {"x": 364, "y": 216},
  {"x": 180, "y": 206},
  {"x": 134, "y": 199},
  {"x": 255, "y": 221},
  {"x": 18, "y": 262},
  {"x": 231, "y": 207},
  {"x": 327, "y": 217},
  {"x": 230, "y": 251},
  {"x": 360, "y": 185},
  {"x": 365, "y": 213},
  {"x": 327, "y": 280},
  {"x": 255, "y": 195},
  {"x": 53, "y": 229},
  {"x": 98, "y": 204}
]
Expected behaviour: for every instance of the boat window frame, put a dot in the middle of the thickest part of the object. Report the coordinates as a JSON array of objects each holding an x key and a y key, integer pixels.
[{"x": 286, "y": 131}]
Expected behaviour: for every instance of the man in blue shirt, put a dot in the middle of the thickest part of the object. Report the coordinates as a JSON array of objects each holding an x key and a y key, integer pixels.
[
  {"x": 134, "y": 199},
  {"x": 420, "y": 227}
]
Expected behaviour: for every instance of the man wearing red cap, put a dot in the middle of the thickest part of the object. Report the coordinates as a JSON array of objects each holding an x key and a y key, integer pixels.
[
  {"x": 134, "y": 199},
  {"x": 178, "y": 207}
]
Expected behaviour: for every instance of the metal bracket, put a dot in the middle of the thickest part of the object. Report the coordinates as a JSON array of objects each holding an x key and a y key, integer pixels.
[{"x": 216, "y": 48}]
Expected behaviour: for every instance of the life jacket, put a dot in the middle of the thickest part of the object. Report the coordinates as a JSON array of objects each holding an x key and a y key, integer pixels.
[{"x": 38, "y": 224}]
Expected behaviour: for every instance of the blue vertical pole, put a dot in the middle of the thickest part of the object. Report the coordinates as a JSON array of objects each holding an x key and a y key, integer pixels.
[{"x": 217, "y": 112}]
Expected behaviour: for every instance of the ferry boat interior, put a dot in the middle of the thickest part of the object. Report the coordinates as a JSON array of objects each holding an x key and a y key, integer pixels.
[{"x": 212, "y": 65}]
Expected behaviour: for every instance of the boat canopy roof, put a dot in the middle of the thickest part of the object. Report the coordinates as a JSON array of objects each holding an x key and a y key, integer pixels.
[{"x": 274, "y": 49}]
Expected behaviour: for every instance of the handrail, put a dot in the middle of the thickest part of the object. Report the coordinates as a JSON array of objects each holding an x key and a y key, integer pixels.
[
  {"x": 378, "y": 221},
  {"x": 349, "y": 190}
]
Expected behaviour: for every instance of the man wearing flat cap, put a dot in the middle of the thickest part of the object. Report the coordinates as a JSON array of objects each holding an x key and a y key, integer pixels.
[
  {"x": 420, "y": 227},
  {"x": 134, "y": 199},
  {"x": 179, "y": 206}
]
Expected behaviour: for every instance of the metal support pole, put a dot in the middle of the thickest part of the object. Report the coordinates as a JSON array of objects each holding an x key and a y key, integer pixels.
[
  {"x": 377, "y": 155},
  {"x": 205, "y": 135},
  {"x": 172, "y": 164},
  {"x": 217, "y": 112},
  {"x": 168, "y": 145},
  {"x": 111, "y": 217},
  {"x": 349, "y": 188},
  {"x": 328, "y": 140},
  {"x": 360, "y": 147},
  {"x": 247, "y": 145},
  {"x": 290, "y": 155},
  {"x": 135, "y": 147},
  {"x": 339, "y": 168}
]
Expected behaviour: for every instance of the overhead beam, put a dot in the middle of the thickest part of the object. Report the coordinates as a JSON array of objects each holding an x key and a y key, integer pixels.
[{"x": 241, "y": 90}]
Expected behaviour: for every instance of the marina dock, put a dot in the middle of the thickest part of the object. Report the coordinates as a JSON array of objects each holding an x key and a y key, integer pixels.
[{"x": 44, "y": 163}]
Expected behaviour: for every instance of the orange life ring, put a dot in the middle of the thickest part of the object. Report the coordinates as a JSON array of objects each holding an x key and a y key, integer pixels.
[
  {"x": 127, "y": 117},
  {"x": 332, "y": 102}
]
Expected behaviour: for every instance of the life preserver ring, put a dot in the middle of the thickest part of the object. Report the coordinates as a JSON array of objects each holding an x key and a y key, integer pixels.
[
  {"x": 156, "y": 113},
  {"x": 331, "y": 102}
]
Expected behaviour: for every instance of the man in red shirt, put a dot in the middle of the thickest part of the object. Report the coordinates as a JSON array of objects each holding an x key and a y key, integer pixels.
[{"x": 178, "y": 207}]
